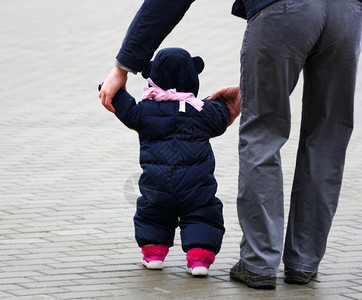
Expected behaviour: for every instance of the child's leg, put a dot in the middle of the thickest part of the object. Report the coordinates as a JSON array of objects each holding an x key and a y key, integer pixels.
[
  {"x": 202, "y": 230},
  {"x": 203, "y": 227},
  {"x": 155, "y": 230}
]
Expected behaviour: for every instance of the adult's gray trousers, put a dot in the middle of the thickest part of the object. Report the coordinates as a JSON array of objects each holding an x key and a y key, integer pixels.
[{"x": 322, "y": 38}]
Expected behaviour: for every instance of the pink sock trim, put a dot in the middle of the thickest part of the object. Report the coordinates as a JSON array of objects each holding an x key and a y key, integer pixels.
[
  {"x": 154, "y": 252},
  {"x": 198, "y": 257}
]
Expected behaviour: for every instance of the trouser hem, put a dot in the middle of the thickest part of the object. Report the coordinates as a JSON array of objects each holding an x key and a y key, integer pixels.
[
  {"x": 261, "y": 272},
  {"x": 299, "y": 267}
]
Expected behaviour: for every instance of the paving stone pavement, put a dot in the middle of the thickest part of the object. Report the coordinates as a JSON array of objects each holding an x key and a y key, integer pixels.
[{"x": 69, "y": 168}]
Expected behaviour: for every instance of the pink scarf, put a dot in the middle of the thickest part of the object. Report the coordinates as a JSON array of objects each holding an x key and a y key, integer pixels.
[{"x": 158, "y": 94}]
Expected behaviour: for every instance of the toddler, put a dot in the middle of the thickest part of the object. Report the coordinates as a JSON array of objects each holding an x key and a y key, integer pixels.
[{"x": 177, "y": 184}]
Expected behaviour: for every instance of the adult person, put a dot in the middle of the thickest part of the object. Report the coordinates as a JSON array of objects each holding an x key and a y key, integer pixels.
[{"x": 322, "y": 37}]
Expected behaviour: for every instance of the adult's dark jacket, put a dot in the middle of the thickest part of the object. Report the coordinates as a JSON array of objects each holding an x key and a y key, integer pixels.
[{"x": 156, "y": 19}]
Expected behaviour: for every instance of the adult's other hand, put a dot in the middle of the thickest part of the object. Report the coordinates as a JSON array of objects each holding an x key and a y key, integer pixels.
[{"x": 231, "y": 95}]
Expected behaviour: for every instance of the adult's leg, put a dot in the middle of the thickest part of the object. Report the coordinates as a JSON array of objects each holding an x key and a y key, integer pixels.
[
  {"x": 276, "y": 44},
  {"x": 327, "y": 122}
]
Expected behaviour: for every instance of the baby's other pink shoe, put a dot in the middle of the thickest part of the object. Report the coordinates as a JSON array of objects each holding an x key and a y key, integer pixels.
[
  {"x": 199, "y": 261},
  {"x": 154, "y": 256}
]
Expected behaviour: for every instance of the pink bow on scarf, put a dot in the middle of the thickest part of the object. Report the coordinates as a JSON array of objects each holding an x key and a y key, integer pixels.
[{"x": 158, "y": 94}]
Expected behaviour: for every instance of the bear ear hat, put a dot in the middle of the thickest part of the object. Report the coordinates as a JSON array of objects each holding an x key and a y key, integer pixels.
[
  {"x": 198, "y": 63},
  {"x": 197, "y": 60},
  {"x": 146, "y": 72}
]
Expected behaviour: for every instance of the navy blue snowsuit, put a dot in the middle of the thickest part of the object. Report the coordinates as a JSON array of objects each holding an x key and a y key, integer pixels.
[{"x": 177, "y": 184}]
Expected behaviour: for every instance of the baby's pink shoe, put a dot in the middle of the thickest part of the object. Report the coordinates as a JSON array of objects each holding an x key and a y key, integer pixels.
[
  {"x": 153, "y": 256},
  {"x": 199, "y": 261}
]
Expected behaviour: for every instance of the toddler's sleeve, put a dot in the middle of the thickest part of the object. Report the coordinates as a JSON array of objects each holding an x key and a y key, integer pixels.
[
  {"x": 215, "y": 117},
  {"x": 127, "y": 110}
]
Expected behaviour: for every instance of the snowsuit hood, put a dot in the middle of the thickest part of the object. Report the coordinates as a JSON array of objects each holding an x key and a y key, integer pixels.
[{"x": 174, "y": 68}]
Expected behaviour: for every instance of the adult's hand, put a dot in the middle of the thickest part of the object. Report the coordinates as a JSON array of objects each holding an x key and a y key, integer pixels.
[
  {"x": 231, "y": 95},
  {"x": 116, "y": 79}
]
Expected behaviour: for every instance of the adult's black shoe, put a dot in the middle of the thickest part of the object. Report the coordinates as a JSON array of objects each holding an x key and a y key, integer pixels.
[
  {"x": 298, "y": 277},
  {"x": 256, "y": 281}
]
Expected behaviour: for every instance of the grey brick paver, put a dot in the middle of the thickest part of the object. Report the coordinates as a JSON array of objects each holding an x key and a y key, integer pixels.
[
  {"x": 352, "y": 296},
  {"x": 38, "y": 291},
  {"x": 6, "y": 296},
  {"x": 18, "y": 274},
  {"x": 69, "y": 169},
  {"x": 81, "y": 295}
]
